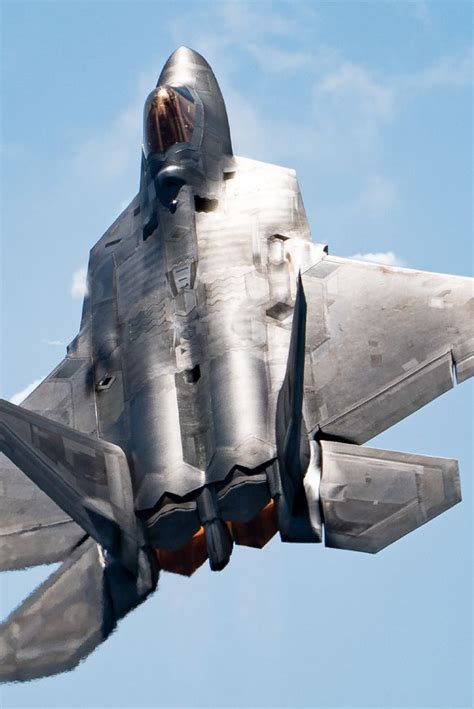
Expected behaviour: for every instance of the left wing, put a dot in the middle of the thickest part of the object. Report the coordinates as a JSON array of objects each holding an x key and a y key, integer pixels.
[
  {"x": 33, "y": 529},
  {"x": 383, "y": 342},
  {"x": 89, "y": 478}
]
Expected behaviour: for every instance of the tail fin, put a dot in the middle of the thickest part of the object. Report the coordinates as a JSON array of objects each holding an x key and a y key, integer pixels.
[
  {"x": 86, "y": 477},
  {"x": 370, "y": 498},
  {"x": 291, "y": 438},
  {"x": 69, "y": 615}
]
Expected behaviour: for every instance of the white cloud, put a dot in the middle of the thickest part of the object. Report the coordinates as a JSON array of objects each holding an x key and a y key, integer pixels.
[
  {"x": 359, "y": 211},
  {"x": 350, "y": 108},
  {"x": 79, "y": 283},
  {"x": 278, "y": 60},
  {"x": 114, "y": 152},
  {"x": 255, "y": 29},
  {"x": 378, "y": 198},
  {"x": 347, "y": 106},
  {"x": 421, "y": 12},
  {"x": 250, "y": 132},
  {"x": 244, "y": 22},
  {"x": 386, "y": 258},
  {"x": 448, "y": 72},
  {"x": 21, "y": 395},
  {"x": 53, "y": 343},
  {"x": 352, "y": 82}
]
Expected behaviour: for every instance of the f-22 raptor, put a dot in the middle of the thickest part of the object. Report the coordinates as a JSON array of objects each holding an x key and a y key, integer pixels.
[{"x": 226, "y": 373}]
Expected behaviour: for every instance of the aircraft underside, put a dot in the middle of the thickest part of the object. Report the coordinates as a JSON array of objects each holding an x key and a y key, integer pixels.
[{"x": 225, "y": 377}]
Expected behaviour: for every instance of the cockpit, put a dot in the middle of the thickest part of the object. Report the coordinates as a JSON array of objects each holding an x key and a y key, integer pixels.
[{"x": 168, "y": 118}]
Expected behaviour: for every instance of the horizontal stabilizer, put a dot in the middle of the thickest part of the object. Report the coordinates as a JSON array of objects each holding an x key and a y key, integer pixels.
[
  {"x": 86, "y": 477},
  {"x": 370, "y": 498},
  {"x": 70, "y": 614}
]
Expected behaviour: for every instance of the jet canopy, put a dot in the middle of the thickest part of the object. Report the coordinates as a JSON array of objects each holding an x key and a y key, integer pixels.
[{"x": 168, "y": 118}]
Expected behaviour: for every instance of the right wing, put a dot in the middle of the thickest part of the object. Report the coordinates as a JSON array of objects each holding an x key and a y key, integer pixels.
[{"x": 383, "y": 342}]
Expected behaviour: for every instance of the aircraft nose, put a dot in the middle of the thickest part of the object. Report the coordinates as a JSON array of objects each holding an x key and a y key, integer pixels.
[
  {"x": 181, "y": 66},
  {"x": 186, "y": 68}
]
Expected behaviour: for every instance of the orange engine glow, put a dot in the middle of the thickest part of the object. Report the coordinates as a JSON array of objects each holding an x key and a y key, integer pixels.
[
  {"x": 255, "y": 533},
  {"x": 259, "y": 530},
  {"x": 187, "y": 559}
]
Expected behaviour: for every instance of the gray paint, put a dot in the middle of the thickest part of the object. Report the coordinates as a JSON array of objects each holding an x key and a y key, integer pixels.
[
  {"x": 373, "y": 497},
  {"x": 192, "y": 397},
  {"x": 71, "y": 613}
]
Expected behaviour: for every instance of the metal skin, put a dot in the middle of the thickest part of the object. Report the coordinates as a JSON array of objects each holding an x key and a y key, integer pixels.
[{"x": 225, "y": 373}]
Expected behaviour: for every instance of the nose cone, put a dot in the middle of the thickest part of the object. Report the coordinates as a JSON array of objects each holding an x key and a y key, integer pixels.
[
  {"x": 188, "y": 68},
  {"x": 182, "y": 67},
  {"x": 185, "y": 56}
]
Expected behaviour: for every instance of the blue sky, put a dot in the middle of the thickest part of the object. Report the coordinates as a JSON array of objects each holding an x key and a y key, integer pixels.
[{"x": 372, "y": 104}]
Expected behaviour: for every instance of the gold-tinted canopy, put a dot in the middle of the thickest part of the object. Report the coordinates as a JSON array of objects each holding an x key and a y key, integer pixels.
[{"x": 168, "y": 119}]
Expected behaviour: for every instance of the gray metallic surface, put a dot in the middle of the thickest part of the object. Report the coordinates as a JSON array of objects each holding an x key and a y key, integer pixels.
[
  {"x": 370, "y": 498},
  {"x": 70, "y": 614},
  {"x": 33, "y": 529},
  {"x": 192, "y": 410},
  {"x": 383, "y": 344},
  {"x": 291, "y": 436},
  {"x": 87, "y": 477}
]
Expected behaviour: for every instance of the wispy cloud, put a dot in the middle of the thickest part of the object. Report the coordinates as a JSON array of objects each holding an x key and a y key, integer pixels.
[
  {"x": 377, "y": 198},
  {"x": 79, "y": 283},
  {"x": 350, "y": 108},
  {"x": 246, "y": 22},
  {"x": 114, "y": 152},
  {"x": 21, "y": 395},
  {"x": 421, "y": 11},
  {"x": 252, "y": 135},
  {"x": 354, "y": 83},
  {"x": 108, "y": 157},
  {"x": 341, "y": 119},
  {"x": 448, "y": 72},
  {"x": 276, "y": 60},
  {"x": 53, "y": 343},
  {"x": 386, "y": 258}
]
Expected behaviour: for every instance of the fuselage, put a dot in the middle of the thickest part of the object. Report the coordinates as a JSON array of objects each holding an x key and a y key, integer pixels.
[{"x": 191, "y": 315}]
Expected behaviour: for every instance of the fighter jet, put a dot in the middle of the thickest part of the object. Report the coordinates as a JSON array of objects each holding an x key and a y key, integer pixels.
[{"x": 225, "y": 377}]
